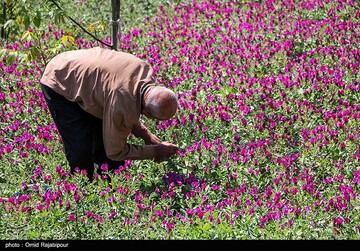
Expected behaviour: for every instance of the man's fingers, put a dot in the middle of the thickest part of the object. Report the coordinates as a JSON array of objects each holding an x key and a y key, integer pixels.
[{"x": 165, "y": 150}]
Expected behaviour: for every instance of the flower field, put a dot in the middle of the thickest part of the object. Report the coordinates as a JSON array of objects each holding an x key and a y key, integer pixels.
[{"x": 268, "y": 126}]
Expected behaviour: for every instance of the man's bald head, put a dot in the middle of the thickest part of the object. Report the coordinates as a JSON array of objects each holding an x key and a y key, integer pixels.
[{"x": 159, "y": 103}]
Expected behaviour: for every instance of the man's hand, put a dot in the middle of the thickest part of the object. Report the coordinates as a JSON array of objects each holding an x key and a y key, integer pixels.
[
  {"x": 164, "y": 150},
  {"x": 152, "y": 140}
]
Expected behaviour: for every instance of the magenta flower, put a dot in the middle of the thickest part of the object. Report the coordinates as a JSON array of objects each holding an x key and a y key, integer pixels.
[
  {"x": 104, "y": 167},
  {"x": 77, "y": 197},
  {"x": 141, "y": 206},
  {"x": 338, "y": 221},
  {"x": 90, "y": 215},
  {"x": 112, "y": 214},
  {"x": 72, "y": 217},
  {"x": 268, "y": 192}
]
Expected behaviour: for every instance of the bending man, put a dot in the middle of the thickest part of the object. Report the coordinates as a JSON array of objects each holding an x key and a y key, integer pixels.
[{"x": 96, "y": 97}]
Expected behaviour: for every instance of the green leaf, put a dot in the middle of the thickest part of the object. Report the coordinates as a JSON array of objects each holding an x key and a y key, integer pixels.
[
  {"x": 9, "y": 23},
  {"x": 12, "y": 57},
  {"x": 68, "y": 40},
  {"x": 37, "y": 19},
  {"x": 35, "y": 54},
  {"x": 206, "y": 227},
  {"x": 3, "y": 53},
  {"x": 26, "y": 36},
  {"x": 26, "y": 22}
]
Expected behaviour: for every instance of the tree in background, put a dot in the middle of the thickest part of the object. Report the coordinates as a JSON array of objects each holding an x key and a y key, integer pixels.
[{"x": 27, "y": 22}]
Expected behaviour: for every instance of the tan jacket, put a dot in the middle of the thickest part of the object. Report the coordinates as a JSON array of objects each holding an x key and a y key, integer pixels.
[{"x": 109, "y": 85}]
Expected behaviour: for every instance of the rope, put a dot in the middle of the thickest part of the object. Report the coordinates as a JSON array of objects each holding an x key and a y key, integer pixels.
[{"x": 81, "y": 27}]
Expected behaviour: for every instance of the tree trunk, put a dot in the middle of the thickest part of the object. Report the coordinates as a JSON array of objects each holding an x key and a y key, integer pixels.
[{"x": 115, "y": 22}]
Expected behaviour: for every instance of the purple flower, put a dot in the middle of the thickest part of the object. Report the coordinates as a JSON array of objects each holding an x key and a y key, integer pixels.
[
  {"x": 141, "y": 206},
  {"x": 112, "y": 214},
  {"x": 72, "y": 217}
]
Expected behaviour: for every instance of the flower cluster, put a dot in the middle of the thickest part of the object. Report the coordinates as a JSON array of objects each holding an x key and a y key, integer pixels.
[{"x": 268, "y": 123}]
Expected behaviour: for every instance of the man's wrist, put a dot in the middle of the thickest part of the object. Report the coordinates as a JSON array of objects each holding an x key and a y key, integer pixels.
[{"x": 149, "y": 151}]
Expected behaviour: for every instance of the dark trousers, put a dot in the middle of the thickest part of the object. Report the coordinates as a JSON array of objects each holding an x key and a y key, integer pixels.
[{"x": 81, "y": 134}]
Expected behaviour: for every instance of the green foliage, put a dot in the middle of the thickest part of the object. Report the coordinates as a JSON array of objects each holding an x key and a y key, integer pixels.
[{"x": 253, "y": 175}]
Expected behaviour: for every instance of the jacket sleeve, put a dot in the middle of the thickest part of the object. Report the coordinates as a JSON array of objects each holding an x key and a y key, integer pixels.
[{"x": 117, "y": 125}]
